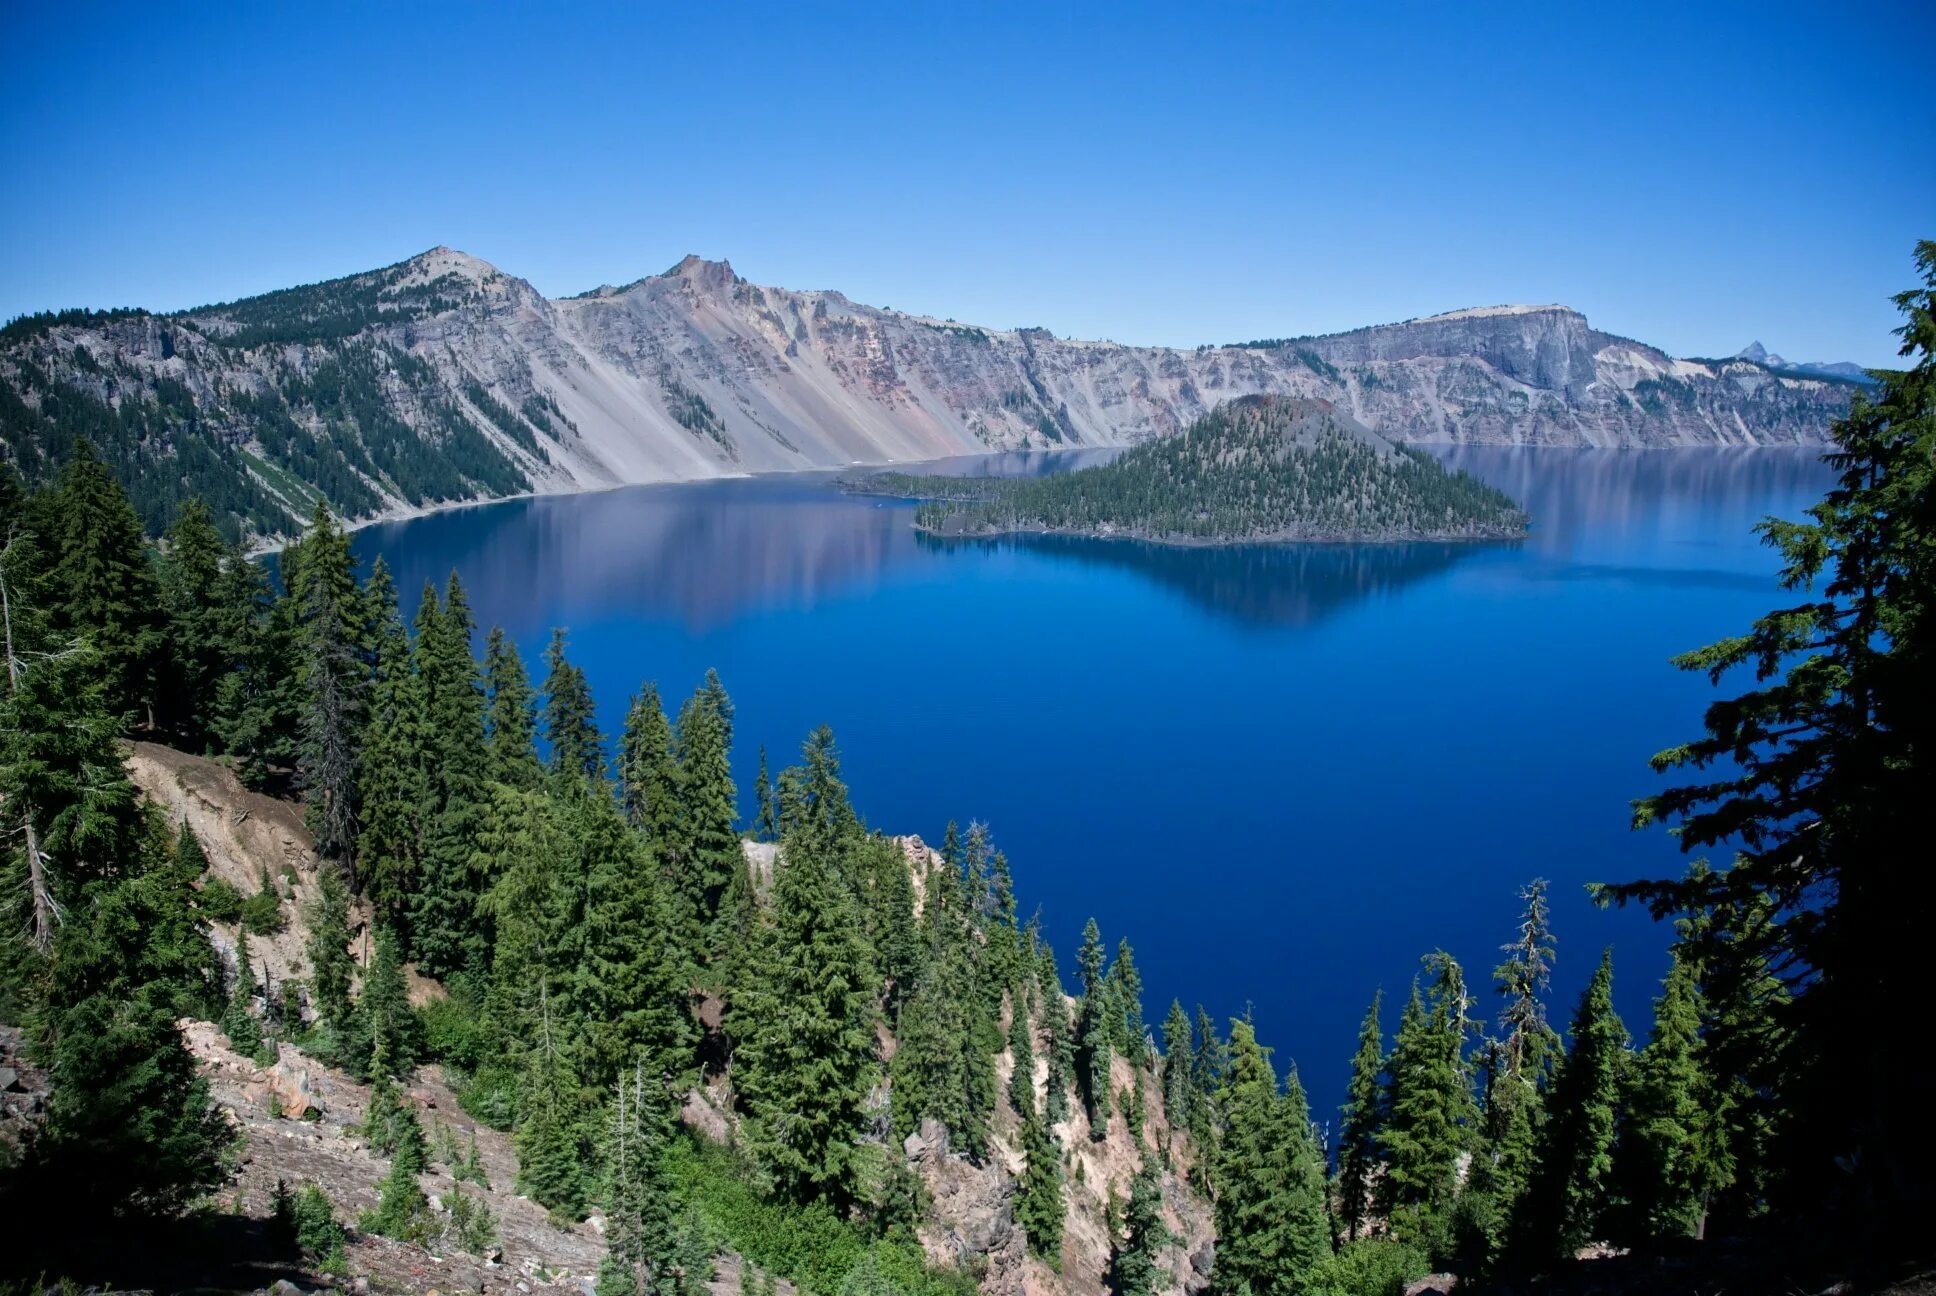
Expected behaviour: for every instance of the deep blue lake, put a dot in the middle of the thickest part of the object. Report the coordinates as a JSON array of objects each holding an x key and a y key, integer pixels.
[{"x": 1284, "y": 773}]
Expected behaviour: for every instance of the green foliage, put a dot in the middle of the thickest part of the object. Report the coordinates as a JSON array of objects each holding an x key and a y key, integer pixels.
[
  {"x": 1568, "y": 1196},
  {"x": 1670, "y": 1158},
  {"x": 1432, "y": 1121},
  {"x": 1364, "y": 1115},
  {"x": 805, "y": 1062},
  {"x": 1378, "y": 1266},
  {"x": 570, "y": 720},
  {"x": 811, "y": 1244},
  {"x": 221, "y": 901},
  {"x": 1270, "y": 1205},
  {"x": 1095, "y": 1031},
  {"x": 1817, "y": 772},
  {"x": 1132, "y": 1259},
  {"x": 1039, "y": 1206},
  {"x": 1253, "y": 469},
  {"x": 261, "y": 913},
  {"x": 314, "y": 1219}
]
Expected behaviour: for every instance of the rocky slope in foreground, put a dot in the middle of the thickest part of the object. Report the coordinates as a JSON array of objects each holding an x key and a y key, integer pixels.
[
  {"x": 299, "y": 1119},
  {"x": 443, "y": 379}
]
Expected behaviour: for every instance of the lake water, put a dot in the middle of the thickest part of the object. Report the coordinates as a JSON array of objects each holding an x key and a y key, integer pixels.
[{"x": 1284, "y": 773}]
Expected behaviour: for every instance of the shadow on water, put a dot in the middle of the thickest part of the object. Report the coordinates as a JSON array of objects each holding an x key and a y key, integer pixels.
[{"x": 1256, "y": 585}]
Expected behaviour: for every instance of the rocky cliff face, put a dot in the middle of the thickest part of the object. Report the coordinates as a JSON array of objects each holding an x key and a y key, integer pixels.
[{"x": 444, "y": 379}]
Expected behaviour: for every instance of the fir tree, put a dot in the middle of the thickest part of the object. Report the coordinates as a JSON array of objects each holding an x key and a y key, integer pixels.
[
  {"x": 1271, "y": 1225},
  {"x": 1125, "y": 992},
  {"x": 386, "y": 1032},
  {"x": 570, "y": 721},
  {"x": 1060, "y": 1033},
  {"x": 1132, "y": 1261},
  {"x": 805, "y": 1061},
  {"x": 511, "y": 756},
  {"x": 648, "y": 776},
  {"x": 766, "y": 821},
  {"x": 1039, "y": 1207},
  {"x": 1179, "y": 1066},
  {"x": 321, "y": 575},
  {"x": 1819, "y": 772},
  {"x": 1567, "y": 1197},
  {"x": 1094, "y": 1033},
  {"x": 105, "y": 583},
  {"x": 709, "y": 852},
  {"x": 331, "y": 966},
  {"x": 128, "y": 1128},
  {"x": 393, "y": 765},
  {"x": 1021, "y": 1051},
  {"x": 644, "y": 1255},
  {"x": 238, "y": 1018},
  {"x": 1432, "y": 1120},
  {"x": 447, "y": 935},
  {"x": 1667, "y": 1151},
  {"x": 631, "y": 993},
  {"x": 1363, "y": 1115},
  {"x": 201, "y": 627}
]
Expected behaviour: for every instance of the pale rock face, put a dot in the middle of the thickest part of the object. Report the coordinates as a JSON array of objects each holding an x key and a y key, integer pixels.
[{"x": 699, "y": 373}]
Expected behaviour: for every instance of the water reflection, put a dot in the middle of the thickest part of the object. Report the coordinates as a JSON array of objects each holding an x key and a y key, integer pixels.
[
  {"x": 705, "y": 555},
  {"x": 1259, "y": 585}
]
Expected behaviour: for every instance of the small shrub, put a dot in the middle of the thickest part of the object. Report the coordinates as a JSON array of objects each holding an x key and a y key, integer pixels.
[
  {"x": 470, "y": 1226},
  {"x": 1368, "y": 1267},
  {"x": 220, "y": 901}
]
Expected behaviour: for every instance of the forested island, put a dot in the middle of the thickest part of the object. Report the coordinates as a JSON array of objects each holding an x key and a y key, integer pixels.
[
  {"x": 785, "y": 1046},
  {"x": 1257, "y": 470}
]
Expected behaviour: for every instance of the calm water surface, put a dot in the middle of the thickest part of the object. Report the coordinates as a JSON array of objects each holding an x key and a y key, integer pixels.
[{"x": 1283, "y": 773}]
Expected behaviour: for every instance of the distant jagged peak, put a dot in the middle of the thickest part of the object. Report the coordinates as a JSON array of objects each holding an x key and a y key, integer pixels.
[
  {"x": 698, "y": 270},
  {"x": 1490, "y": 312}
]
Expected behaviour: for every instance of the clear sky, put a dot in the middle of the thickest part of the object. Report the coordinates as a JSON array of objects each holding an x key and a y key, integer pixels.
[{"x": 1697, "y": 176}]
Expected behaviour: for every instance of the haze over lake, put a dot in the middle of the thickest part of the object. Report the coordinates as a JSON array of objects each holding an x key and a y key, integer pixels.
[{"x": 1283, "y": 773}]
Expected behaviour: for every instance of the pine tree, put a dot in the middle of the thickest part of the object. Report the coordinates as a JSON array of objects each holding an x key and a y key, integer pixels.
[
  {"x": 631, "y": 993},
  {"x": 321, "y": 576},
  {"x": 447, "y": 935},
  {"x": 1819, "y": 772},
  {"x": 258, "y": 704},
  {"x": 709, "y": 850},
  {"x": 511, "y": 757},
  {"x": 1132, "y": 1262},
  {"x": 393, "y": 765},
  {"x": 1021, "y": 1051},
  {"x": 128, "y": 1129},
  {"x": 1668, "y": 1158},
  {"x": 570, "y": 720},
  {"x": 805, "y": 1061},
  {"x": 385, "y": 1032},
  {"x": 1271, "y": 1225},
  {"x": 1039, "y": 1208},
  {"x": 1212, "y": 1061},
  {"x": 402, "y": 1211},
  {"x": 200, "y": 622},
  {"x": 185, "y": 956},
  {"x": 1093, "y": 1033},
  {"x": 331, "y": 967},
  {"x": 105, "y": 583},
  {"x": 554, "y": 1140},
  {"x": 1567, "y": 1197},
  {"x": 1432, "y": 1120},
  {"x": 1519, "y": 1065},
  {"x": 238, "y": 1018},
  {"x": 1060, "y": 1032},
  {"x": 1179, "y": 1066},
  {"x": 1126, "y": 994},
  {"x": 766, "y": 822},
  {"x": 645, "y": 1253},
  {"x": 649, "y": 782},
  {"x": 1363, "y": 1116}
]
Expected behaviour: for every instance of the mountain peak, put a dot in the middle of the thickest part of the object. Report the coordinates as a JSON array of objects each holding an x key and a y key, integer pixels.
[
  {"x": 694, "y": 266},
  {"x": 442, "y": 260},
  {"x": 1753, "y": 351}
]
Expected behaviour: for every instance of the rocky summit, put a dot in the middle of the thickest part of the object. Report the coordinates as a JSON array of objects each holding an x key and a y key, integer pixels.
[{"x": 442, "y": 379}]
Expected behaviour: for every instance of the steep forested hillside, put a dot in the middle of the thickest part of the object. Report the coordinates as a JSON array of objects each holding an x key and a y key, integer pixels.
[
  {"x": 442, "y": 378},
  {"x": 1259, "y": 469}
]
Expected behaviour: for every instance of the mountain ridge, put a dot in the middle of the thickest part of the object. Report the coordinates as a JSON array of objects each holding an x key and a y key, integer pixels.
[{"x": 443, "y": 379}]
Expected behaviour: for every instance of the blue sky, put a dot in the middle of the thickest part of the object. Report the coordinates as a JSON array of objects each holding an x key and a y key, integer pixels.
[{"x": 1697, "y": 176}]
